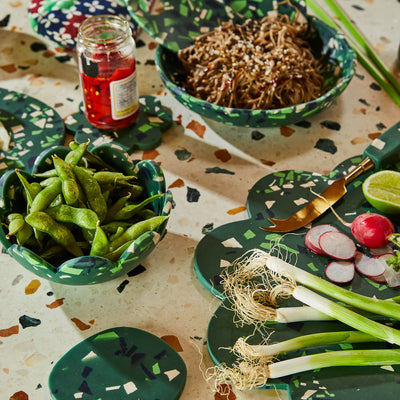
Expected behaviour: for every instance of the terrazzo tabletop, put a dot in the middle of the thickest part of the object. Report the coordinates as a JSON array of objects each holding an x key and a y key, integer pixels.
[{"x": 209, "y": 168}]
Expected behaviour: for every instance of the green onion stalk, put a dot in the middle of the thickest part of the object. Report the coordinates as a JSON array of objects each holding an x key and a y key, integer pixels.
[
  {"x": 247, "y": 375},
  {"x": 254, "y": 351},
  {"x": 258, "y": 280}
]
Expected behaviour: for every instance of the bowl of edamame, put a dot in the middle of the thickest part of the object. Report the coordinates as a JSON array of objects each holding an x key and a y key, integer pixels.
[{"x": 84, "y": 215}]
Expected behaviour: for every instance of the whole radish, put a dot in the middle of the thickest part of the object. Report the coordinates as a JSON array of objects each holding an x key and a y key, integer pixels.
[{"x": 372, "y": 230}]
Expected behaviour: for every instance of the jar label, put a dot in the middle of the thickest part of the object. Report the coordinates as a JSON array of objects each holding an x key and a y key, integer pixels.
[{"x": 124, "y": 97}]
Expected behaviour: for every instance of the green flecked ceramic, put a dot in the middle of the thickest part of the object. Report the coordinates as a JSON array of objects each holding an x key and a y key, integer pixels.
[
  {"x": 117, "y": 364},
  {"x": 33, "y": 127},
  {"x": 144, "y": 134},
  {"x": 175, "y": 26},
  {"x": 336, "y": 81},
  {"x": 176, "y": 23},
  {"x": 344, "y": 383},
  {"x": 88, "y": 269},
  {"x": 280, "y": 195}
]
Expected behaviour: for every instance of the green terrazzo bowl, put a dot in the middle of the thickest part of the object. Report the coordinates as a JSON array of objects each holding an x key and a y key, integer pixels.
[
  {"x": 87, "y": 270},
  {"x": 180, "y": 21},
  {"x": 336, "y": 80}
]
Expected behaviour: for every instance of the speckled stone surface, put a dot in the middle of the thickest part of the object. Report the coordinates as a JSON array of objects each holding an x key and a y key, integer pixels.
[{"x": 209, "y": 168}]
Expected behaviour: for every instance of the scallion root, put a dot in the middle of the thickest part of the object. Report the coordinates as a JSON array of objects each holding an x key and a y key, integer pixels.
[{"x": 257, "y": 281}]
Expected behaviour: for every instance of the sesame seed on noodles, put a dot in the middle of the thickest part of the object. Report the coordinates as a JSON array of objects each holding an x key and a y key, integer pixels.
[{"x": 260, "y": 64}]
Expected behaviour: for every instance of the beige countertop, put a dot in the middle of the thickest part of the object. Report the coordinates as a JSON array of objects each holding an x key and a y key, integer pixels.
[{"x": 167, "y": 298}]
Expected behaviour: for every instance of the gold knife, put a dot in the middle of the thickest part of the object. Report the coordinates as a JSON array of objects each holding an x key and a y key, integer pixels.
[{"x": 381, "y": 153}]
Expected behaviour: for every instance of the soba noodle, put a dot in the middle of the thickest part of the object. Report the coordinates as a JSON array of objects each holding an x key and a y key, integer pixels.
[{"x": 265, "y": 64}]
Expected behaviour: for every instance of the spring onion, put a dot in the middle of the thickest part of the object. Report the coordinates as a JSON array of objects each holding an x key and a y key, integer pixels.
[
  {"x": 246, "y": 375},
  {"x": 306, "y": 313},
  {"x": 249, "y": 352},
  {"x": 259, "y": 280}
]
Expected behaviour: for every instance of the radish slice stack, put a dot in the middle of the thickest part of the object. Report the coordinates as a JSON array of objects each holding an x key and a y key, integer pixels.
[
  {"x": 337, "y": 245},
  {"x": 313, "y": 235},
  {"x": 328, "y": 240},
  {"x": 371, "y": 267}
]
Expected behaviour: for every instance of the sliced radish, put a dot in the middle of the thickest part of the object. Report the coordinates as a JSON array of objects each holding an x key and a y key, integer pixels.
[
  {"x": 381, "y": 250},
  {"x": 370, "y": 267},
  {"x": 313, "y": 235},
  {"x": 340, "y": 271},
  {"x": 337, "y": 245},
  {"x": 382, "y": 278}
]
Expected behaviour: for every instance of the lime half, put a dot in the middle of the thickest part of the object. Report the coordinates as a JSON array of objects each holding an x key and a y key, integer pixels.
[{"x": 382, "y": 191}]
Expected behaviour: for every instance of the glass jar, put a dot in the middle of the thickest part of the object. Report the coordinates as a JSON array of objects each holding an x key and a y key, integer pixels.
[{"x": 107, "y": 67}]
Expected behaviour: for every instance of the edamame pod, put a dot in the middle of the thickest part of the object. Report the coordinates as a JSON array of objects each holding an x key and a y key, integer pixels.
[
  {"x": 50, "y": 173},
  {"x": 134, "y": 231},
  {"x": 130, "y": 210},
  {"x": 30, "y": 190},
  {"x": 132, "y": 189},
  {"x": 42, "y": 222},
  {"x": 112, "y": 178},
  {"x": 146, "y": 213},
  {"x": 92, "y": 191},
  {"x": 119, "y": 232},
  {"x": 100, "y": 244},
  {"x": 48, "y": 181},
  {"x": 16, "y": 222},
  {"x": 92, "y": 158},
  {"x": 69, "y": 185},
  {"x": 45, "y": 197},
  {"x": 25, "y": 234},
  {"x": 75, "y": 156},
  {"x": 116, "y": 254},
  {"x": 113, "y": 226},
  {"x": 115, "y": 207},
  {"x": 83, "y": 217}
]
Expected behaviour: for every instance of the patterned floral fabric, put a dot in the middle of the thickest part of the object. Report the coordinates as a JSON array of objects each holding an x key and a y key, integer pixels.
[{"x": 59, "y": 20}]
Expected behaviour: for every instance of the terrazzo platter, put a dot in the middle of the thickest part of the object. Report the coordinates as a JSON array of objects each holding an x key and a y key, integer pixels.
[
  {"x": 179, "y": 22},
  {"x": 280, "y": 195},
  {"x": 119, "y": 363},
  {"x": 123, "y": 361}
]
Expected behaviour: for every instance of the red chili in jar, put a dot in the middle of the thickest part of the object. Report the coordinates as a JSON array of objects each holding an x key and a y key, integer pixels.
[{"x": 107, "y": 67}]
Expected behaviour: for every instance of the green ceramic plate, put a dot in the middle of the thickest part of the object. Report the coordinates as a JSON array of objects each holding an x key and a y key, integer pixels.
[
  {"x": 280, "y": 195},
  {"x": 344, "y": 383},
  {"x": 119, "y": 363}
]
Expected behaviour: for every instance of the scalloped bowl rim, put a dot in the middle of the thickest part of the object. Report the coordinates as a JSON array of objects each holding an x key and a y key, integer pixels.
[
  {"x": 198, "y": 105},
  {"x": 53, "y": 273}
]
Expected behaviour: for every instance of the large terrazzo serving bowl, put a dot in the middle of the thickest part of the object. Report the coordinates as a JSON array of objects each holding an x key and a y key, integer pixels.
[
  {"x": 328, "y": 45},
  {"x": 86, "y": 270}
]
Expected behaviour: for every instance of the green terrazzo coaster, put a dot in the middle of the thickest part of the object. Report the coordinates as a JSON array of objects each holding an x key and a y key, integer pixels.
[
  {"x": 144, "y": 134},
  {"x": 119, "y": 363},
  {"x": 33, "y": 126}
]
